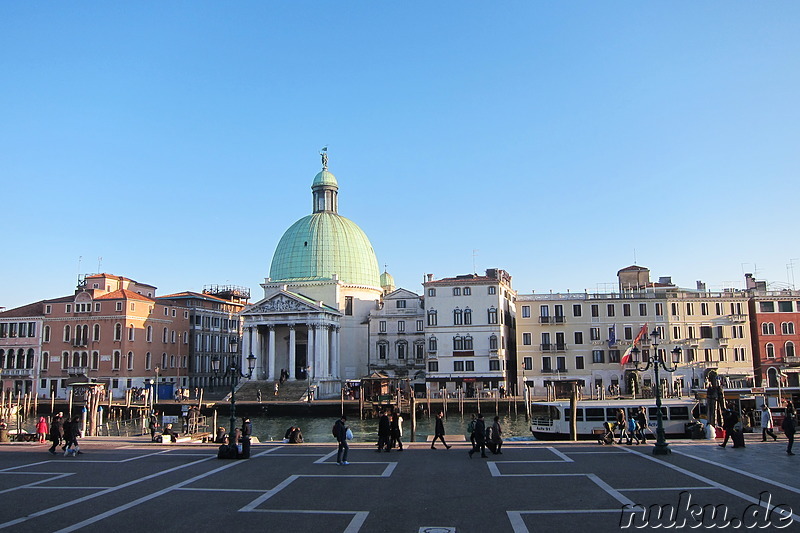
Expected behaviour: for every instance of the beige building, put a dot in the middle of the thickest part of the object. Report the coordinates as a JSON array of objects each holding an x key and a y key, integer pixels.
[{"x": 585, "y": 335}]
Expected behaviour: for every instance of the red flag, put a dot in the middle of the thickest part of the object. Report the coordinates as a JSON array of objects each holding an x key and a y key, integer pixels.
[{"x": 626, "y": 357}]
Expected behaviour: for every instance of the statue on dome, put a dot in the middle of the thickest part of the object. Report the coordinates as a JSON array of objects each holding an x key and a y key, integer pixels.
[{"x": 324, "y": 154}]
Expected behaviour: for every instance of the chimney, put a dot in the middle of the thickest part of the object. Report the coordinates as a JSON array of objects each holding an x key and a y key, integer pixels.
[
  {"x": 430, "y": 277},
  {"x": 701, "y": 286}
]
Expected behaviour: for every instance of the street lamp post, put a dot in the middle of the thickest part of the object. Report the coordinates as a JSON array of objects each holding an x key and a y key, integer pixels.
[
  {"x": 657, "y": 360},
  {"x": 234, "y": 370}
]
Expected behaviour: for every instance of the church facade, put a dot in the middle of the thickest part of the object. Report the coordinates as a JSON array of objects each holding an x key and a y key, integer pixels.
[{"x": 324, "y": 281}]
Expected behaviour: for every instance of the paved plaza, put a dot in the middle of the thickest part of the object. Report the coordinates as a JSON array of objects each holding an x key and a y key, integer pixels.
[{"x": 132, "y": 485}]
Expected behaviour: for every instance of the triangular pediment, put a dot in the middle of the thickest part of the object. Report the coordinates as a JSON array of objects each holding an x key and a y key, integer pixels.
[
  {"x": 285, "y": 302},
  {"x": 401, "y": 294}
]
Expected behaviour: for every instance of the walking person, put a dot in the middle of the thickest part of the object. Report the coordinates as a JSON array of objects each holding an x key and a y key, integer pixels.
[
  {"x": 789, "y": 425},
  {"x": 72, "y": 430},
  {"x": 480, "y": 437},
  {"x": 471, "y": 430},
  {"x": 438, "y": 432},
  {"x": 396, "y": 431},
  {"x": 384, "y": 432},
  {"x": 497, "y": 441},
  {"x": 258, "y": 395},
  {"x": 622, "y": 423},
  {"x": 641, "y": 425},
  {"x": 340, "y": 432},
  {"x": 767, "y": 424},
  {"x": 56, "y": 432},
  {"x": 729, "y": 420}
]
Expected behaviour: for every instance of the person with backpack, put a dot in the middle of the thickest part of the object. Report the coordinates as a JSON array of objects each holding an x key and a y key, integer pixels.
[
  {"x": 471, "y": 430},
  {"x": 480, "y": 437},
  {"x": 789, "y": 425},
  {"x": 340, "y": 433}
]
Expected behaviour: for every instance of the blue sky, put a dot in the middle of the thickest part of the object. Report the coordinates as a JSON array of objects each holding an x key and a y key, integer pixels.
[{"x": 560, "y": 140}]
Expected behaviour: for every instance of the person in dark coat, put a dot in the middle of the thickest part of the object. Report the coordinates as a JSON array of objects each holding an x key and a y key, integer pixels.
[
  {"x": 72, "y": 430},
  {"x": 395, "y": 432},
  {"x": 296, "y": 436},
  {"x": 152, "y": 424},
  {"x": 384, "y": 432},
  {"x": 789, "y": 425},
  {"x": 497, "y": 439},
  {"x": 56, "y": 432},
  {"x": 247, "y": 428},
  {"x": 438, "y": 432},
  {"x": 340, "y": 432},
  {"x": 729, "y": 419},
  {"x": 480, "y": 437}
]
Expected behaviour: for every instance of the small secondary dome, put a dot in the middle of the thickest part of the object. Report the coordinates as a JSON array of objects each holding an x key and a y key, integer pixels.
[{"x": 325, "y": 178}]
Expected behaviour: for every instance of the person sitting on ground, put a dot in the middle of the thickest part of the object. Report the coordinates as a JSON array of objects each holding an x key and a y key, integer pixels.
[
  {"x": 222, "y": 436},
  {"x": 168, "y": 433},
  {"x": 296, "y": 436}
]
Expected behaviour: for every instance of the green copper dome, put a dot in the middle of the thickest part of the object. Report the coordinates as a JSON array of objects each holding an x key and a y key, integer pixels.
[{"x": 325, "y": 243}]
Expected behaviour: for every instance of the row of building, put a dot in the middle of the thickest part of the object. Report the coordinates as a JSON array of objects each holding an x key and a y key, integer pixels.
[{"x": 328, "y": 316}]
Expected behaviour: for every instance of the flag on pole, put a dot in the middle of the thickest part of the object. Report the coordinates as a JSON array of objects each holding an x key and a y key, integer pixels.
[{"x": 626, "y": 357}]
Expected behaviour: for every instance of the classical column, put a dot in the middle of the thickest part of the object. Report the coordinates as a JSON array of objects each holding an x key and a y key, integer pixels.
[
  {"x": 335, "y": 352},
  {"x": 246, "y": 341},
  {"x": 271, "y": 355},
  {"x": 325, "y": 333},
  {"x": 292, "y": 347},
  {"x": 255, "y": 349},
  {"x": 310, "y": 351},
  {"x": 318, "y": 347}
]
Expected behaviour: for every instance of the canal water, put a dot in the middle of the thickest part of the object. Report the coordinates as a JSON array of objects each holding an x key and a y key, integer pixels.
[{"x": 318, "y": 429}]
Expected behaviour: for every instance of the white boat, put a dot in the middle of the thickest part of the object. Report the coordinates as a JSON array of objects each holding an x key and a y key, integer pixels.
[{"x": 550, "y": 420}]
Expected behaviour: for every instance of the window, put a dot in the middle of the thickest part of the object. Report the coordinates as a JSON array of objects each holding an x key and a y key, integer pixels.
[
  {"x": 130, "y": 360},
  {"x": 68, "y": 308},
  {"x": 467, "y": 291},
  {"x": 402, "y": 350},
  {"x": 419, "y": 349},
  {"x": 722, "y": 354},
  {"x": 613, "y": 356},
  {"x": 493, "y": 342},
  {"x": 706, "y": 332},
  {"x": 401, "y": 326},
  {"x": 526, "y": 311},
  {"x": 659, "y": 309},
  {"x": 456, "y": 291},
  {"x": 492, "y": 290},
  {"x": 703, "y": 308},
  {"x": 689, "y": 308},
  {"x": 48, "y": 309},
  {"x": 432, "y": 318},
  {"x": 458, "y": 366},
  {"x": 579, "y": 364},
  {"x": 46, "y": 334},
  {"x": 148, "y": 361},
  {"x": 431, "y": 292},
  {"x": 149, "y": 334},
  {"x": 559, "y": 313},
  {"x": 164, "y": 335},
  {"x": 469, "y": 366},
  {"x": 546, "y": 341},
  {"x": 348, "y": 305},
  {"x": 117, "y": 331},
  {"x": 766, "y": 307},
  {"x": 785, "y": 307},
  {"x": 561, "y": 364},
  {"x": 738, "y": 332},
  {"x": 130, "y": 332},
  {"x": 546, "y": 364},
  {"x": 594, "y": 334},
  {"x": 45, "y": 360},
  {"x": 432, "y": 344},
  {"x": 467, "y": 316},
  {"x": 598, "y": 356},
  {"x": 458, "y": 344},
  {"x": 767, "y": 328},
  {"x": 706, "y": 354},
  {"x": 526, "y": 339},
  {"x": 400, "y": 304},
  {"x": 595, "y": 310},
  {"x": 492, "y": 312},
  {"x": 494, "y": 364},
  {"x": 578, "y": 337},
  {"x": 718, "y": 307},
  {"x": 577, "y": 310},
  {"x": 627, "y": 333},
  {"x": 787, "y": 328},
  {"x": 770, "y": 350},
  {"x": 610, "y": 310},
  {"x": 739, "y": 354},
  {"x": 67, "y": 333},
  {"x": 789, "y": 349},
  {"x": 458, "y": 317},
  {"x": 115, "y": 363},
  {"x": 626, "y": 309},
  {"x": 119, "y": 306},
  {"x": 166, "y": 311},
  {"x": 433, "y": 366},
  {"x": 420, "y": 325},
  {"x": 642, "y": 309},
  {"x": 468, "y": 343},
  {"x": 382, "y": 326}
]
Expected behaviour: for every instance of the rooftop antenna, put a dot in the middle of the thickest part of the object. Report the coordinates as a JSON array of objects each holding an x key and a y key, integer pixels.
[
  {"x": 80, "y": 260},
  {"x": 99, "y": 262},
  {"x": 790, "y": 269},
  {"x": 474, "y": 268},
  {"x": 634, "y": 256}
]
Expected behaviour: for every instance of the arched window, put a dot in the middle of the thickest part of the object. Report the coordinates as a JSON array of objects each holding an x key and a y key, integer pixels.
[
  {"x": 172, "y": 338},
  {"x": 149, "y": 333},
  {"x": 130, "y": 332},
  {"x": 84, "y": 334},
  {"x": 84, "y": 359},
  {"x": 770, "y": 351},
  {"x": 493, "y": 342},
  {"x": 163, "y": 360},
  {"x": 96, "y": 333},
  {"x": 402, "y": 350},
  {"x": 46, "y": 334},
  {"x": 45, "y": 362},
  {"x": 432, "y": 321},
  {"x": 789, "y": 347},
  {"x": 95, "y": 360},
  {"x": 3, "y": 358},
  {"x": 29, "y": 359},
  {"x": 117, "y": 331},
  {"x": 64, "y": 360},
  {"x": 130, "y": 360},
  {"x": 787, "y": 328},
  {"x": 458, "y": 344},
  {"x": 116, "y": 360},
  {"x": 467, "y": 316},
  {"x": 165, "y": 336},
  {"x": 492, "y": 312},
  {"x": 468, "y": 342},
  {"x": 432, "y": 344},
  {"x": 419, "y": 350},
  {"x": 76, "y": 359},
  {"x": 148, "y": 361},
  {"x": 458, "y": 317},
  {"x": 20, "y": 358},
  {"x": 67, "y": 333},
  {"x": 172, "y": 361}
]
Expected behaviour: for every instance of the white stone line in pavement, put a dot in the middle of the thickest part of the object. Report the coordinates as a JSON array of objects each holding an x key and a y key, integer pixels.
[
  {"x": 611, "y": 491},
  {"x": 95, "y": 495},
  {"x": 34, "y": 483},
  {"x": 518, "y": 524},
  {"x": 50, "y": 487},
  {"x": 704, "y": 479},
  {"x": 561, "y": 455},
  {"x": 664, "y": 489},
  {"x": 199, "y": 489},
  {"x": 596, "y": 453},
  {"x": 267, "y": 451},
  {"x": 739, "y": 471},
  {"x": 269, "y": 494},
  {"x": 353, "y": 527},
  {"x": 326, "y": 456},
  {"x": 11, "y": 468},
  {"x": 134, "y": 503}
]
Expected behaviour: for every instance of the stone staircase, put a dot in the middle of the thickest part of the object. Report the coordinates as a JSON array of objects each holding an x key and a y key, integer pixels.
[{"x": 289, "y": 391}]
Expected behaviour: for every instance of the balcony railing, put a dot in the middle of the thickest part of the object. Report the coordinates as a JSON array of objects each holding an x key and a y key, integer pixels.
[
  {"x": 547, "y": 347},
  {"x": 78, "y": 370},
  {"x": 552, "y": 319},
  {"x": 17, "y": 372},
  {"x": 80, "y": 342},
  {"x": 792, "y": 359}
]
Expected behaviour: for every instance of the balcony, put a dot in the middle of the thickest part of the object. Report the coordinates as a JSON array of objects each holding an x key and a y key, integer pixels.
[
  {"x": 738, "y": 318},
  {"x": 547, "y": 347},
  {"x": 792, "y": 359},
  {"x": 77, "y": 343},
  {"x": 723, "y": 341},
  {"x": 17, "y": 372},
  {"x": 560, "y": 347},
  {"x": 77, "y": 370},
  {"x": 552, "y": 320}
]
